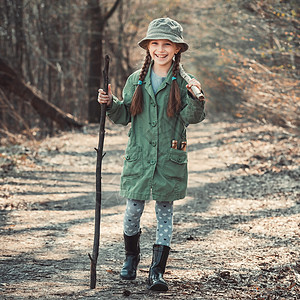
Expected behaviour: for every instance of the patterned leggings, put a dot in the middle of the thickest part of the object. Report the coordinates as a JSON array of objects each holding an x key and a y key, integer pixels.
[{"x": 164, "y": 217}]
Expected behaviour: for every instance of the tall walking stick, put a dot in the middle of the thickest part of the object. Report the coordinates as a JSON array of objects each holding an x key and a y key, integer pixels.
[{"x": 100, "y": 156}]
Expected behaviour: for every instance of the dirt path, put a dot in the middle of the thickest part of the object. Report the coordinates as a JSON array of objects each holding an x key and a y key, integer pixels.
[{"x": 236, "y": 234}]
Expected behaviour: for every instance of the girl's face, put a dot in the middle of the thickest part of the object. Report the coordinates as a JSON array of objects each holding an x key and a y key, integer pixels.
[{"x": 162, "y": 52}]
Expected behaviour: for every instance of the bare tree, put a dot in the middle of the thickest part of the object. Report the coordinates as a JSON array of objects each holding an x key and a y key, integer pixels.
[
  {"x": 9, "y": 80},
  {"x": 98, "y": 17}
]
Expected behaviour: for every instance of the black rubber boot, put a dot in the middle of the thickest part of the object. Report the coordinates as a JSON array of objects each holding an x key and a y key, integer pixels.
[
  {"x": 132, "y": 256},
  {"x": 156, "y": 281}
]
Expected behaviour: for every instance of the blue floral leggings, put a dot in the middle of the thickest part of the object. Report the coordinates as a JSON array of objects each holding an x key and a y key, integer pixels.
[{"x": 164, "y": 217}]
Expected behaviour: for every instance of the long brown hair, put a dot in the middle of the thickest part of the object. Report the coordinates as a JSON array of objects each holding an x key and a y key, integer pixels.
[
  {"x": 137, "y": 102},
  {"x": 174, "y": 102}
]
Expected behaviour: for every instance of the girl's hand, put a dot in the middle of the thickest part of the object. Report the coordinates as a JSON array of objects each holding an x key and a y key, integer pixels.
[
  {"x": 104, "y": 98},
  {"x": 195, "y": 83}
]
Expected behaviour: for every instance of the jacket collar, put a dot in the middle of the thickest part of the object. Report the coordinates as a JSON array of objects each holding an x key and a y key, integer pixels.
[{"x": 166, "y": 82}]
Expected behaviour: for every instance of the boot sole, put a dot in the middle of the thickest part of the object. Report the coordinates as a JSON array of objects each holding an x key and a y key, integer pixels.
[
  {"x": 158, "y": 287},
  {"x": 127, "y": 278}
]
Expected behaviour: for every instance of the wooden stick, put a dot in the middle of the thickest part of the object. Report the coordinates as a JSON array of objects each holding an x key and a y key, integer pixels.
[{"x": 100, "y": 156}]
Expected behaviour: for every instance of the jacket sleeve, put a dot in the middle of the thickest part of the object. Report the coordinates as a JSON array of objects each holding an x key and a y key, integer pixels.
[
  {"x": 193, "y": 108},
  {"x": 119, "y": 111}
]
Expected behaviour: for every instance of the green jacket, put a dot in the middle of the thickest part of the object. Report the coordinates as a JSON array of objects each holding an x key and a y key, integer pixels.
[{"x": 151, "y": 165}]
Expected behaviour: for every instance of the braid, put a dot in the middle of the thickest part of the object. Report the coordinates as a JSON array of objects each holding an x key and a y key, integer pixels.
[
  {"x": 145, "y": 66},
  {"x": 136, "y": 106},
  {"x": 176, "y": 63},
  {"x": 174, "y": 102}
]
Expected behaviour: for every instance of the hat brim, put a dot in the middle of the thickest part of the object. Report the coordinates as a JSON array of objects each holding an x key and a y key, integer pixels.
[{"x": 144, "y": 42}]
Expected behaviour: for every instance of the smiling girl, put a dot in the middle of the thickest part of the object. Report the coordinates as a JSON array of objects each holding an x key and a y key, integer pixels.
[{"x": 159, "y": 104}]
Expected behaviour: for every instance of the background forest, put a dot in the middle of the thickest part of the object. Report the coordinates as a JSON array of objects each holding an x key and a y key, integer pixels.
[
  {"x": 236, "y": 234},
  {"x": 245, "y": 53}
]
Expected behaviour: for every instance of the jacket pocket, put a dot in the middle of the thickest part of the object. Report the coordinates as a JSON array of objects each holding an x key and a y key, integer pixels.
[
  {"x": 176, "y": 164},
  {"x": 133, "y": 165}
]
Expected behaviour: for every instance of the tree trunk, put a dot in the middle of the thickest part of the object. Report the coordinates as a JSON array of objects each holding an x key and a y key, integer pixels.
[
  {"x": 95, "y": 56},
  {"x": 98, "y": 20},
  {"x": 20, "y": 38}
]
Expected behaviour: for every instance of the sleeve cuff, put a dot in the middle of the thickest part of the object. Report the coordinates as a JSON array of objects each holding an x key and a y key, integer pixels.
[{"x": 114, "y": 105}]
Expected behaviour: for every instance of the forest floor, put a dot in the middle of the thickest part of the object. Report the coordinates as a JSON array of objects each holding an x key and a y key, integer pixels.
[{"x": 236, "y": 234}]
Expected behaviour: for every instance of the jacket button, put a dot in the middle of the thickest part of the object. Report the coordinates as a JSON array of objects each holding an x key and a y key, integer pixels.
[
  {"x": 152, "y": 162},
  {"x": 153, "y": 143},
  {"x": 154, "y": 123}
]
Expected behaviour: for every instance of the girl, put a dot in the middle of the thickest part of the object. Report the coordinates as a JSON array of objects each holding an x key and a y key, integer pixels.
[{"x": 159, "y": 105}]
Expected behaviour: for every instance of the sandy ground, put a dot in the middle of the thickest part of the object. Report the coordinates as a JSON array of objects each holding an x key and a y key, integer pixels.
[{"x": 236, "y": 234}]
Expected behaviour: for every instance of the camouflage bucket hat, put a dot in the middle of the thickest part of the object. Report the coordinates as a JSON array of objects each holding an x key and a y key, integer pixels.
[{"x": 164, "y": 29}]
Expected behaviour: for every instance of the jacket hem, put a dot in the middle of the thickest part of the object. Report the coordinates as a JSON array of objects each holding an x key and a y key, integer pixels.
[{"x": 144, "y": 197}]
